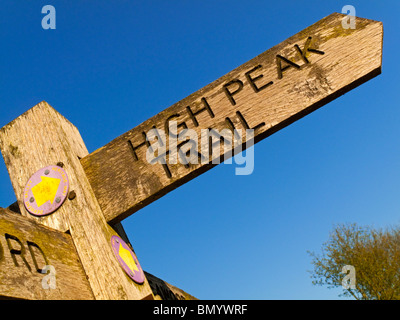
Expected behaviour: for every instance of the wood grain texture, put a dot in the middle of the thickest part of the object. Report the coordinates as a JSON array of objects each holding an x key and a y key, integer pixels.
[
  {"x": 42, "y": 137},
  {"x": 38, "y": 246},
  {"x": 267, "y": 93},
  {"x": 165, "y": 291},
  {"x": 162, "y": 290}
]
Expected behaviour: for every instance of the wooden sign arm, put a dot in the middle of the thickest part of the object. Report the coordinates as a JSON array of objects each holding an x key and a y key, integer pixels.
[{"x": 265, "y": 94}]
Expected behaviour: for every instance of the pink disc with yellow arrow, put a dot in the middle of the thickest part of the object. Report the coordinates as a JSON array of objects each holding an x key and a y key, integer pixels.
[
  {"x": 127, "y": 259},
  {"x": 46, "y": 190}
]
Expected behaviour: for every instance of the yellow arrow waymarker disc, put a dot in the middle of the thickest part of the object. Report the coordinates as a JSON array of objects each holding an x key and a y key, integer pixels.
[{"x": 46, "y": 190}]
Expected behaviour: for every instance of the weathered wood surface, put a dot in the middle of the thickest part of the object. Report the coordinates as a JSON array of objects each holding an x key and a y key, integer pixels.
[
  {"x": 267, "y": 93},
  {"x": 164, "y": 291},
  {"x": 42, "y": 137},
  {"x": 26, "y": 247},
  {"x": 161, "y": 290}
]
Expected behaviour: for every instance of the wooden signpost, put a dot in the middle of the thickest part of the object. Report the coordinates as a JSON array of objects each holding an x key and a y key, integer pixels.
[{"x": 265, "y": 94}]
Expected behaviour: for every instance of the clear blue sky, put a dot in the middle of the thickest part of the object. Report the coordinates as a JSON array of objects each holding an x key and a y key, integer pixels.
[{"x": 110, "y": 65}]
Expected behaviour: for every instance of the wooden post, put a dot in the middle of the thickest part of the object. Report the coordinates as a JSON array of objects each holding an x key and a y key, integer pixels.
[
  {"x": 27, "y": 247},
  {"x": 42, "y": 137}
]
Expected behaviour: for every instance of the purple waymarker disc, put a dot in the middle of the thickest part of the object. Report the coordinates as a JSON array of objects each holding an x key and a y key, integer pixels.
[
  {"x": 127, "y": 259},
  {"x": 46, "y": 190}
]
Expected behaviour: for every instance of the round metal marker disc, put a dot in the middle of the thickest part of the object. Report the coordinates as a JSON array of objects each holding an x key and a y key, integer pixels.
[
  {"x": 46, "y": 190},
  {"x": 127, "y": 259}
]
